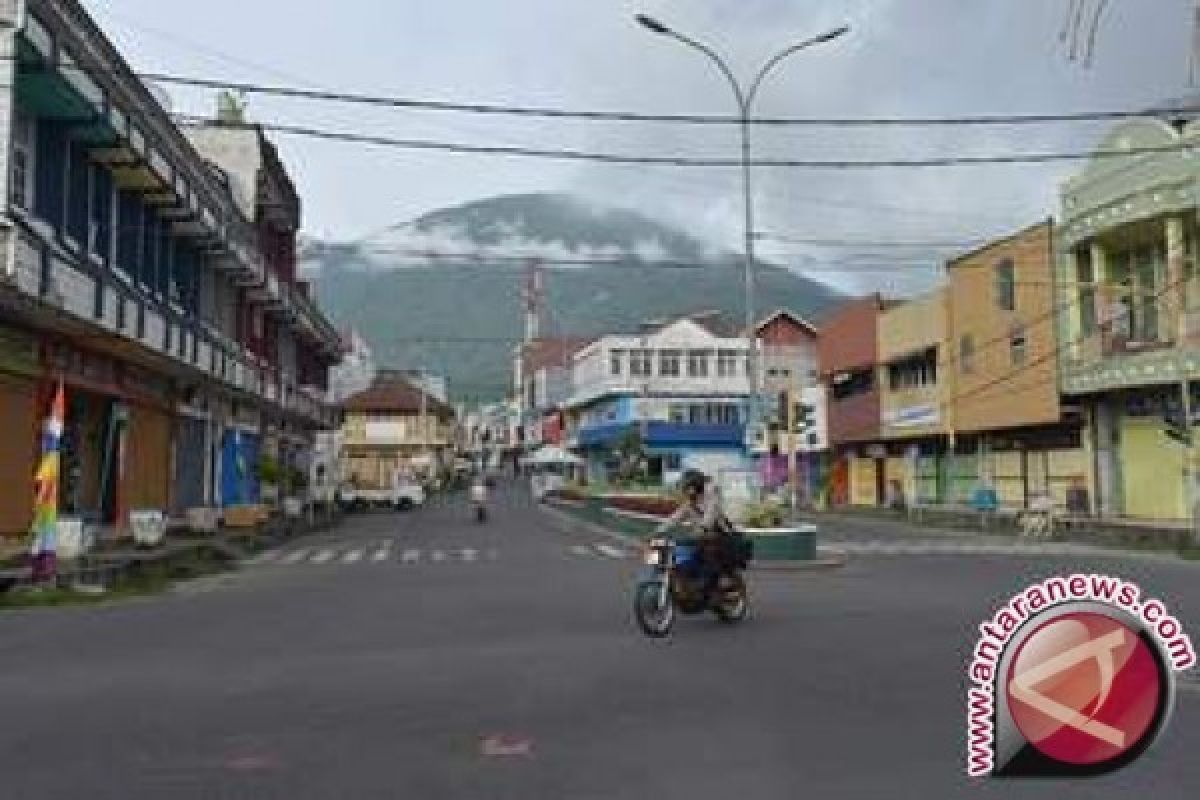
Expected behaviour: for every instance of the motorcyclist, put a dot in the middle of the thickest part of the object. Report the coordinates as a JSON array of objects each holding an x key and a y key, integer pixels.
[
  {"x": 703, "y": 511},
  {"x": 479, "y": 496}
]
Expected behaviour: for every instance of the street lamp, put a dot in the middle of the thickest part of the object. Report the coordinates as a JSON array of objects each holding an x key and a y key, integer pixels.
[{"x": 745, "y": 100}]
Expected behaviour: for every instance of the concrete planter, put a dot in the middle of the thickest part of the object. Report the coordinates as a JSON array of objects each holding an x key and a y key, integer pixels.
[
  {"x": 148, "y": 526},
  {"x": 203, "y": 520},
  {"x": 796, "y": 543},
  {"x": 74, "y": 539}
]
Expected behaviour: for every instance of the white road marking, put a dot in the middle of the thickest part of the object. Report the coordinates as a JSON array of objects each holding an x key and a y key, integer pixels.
[
  {"x": 610, "y": 551},
  {"x": 323, "y": 557},
  {"x": 352, "y": 557},
  {"x": 296, "y": 556},
  {"x": 580, "y": 550},
  {"x": 438, "y": 556},
  {"x": 382, "y": 554},
  {"x": 469, "y": 554},
  {"x": 411, "y": 556}
]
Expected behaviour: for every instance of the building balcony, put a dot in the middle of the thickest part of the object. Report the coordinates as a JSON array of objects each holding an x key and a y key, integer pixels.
[
  {"x": 71, "y": 294},
  {"x": 588, "y": 391}
]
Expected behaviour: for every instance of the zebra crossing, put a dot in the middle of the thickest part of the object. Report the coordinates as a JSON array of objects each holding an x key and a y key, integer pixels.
[
  {"x": 375, "y": 553},
  {"x": 390, "y": 552}
]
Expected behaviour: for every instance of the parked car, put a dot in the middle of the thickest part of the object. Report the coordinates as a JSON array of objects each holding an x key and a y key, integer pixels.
[{"x": 404, "y": 496}]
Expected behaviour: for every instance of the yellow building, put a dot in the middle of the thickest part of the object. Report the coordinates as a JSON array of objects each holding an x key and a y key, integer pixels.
[
  {"x": 394, "y": 428},
  {"x": 912, "y": 394},
  {"x": 1004, "y": 408}
]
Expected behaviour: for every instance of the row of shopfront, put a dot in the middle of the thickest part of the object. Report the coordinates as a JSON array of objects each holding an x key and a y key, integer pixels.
[{"x": 132, "y": 440}]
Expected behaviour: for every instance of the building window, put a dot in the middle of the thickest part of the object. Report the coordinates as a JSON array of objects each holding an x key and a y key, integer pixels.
[
  {"x": 966, "y": 353},
  {"x": 639, "y": 363},
  {"x": 677, "y": 414},
  {"x": 698, "y": 363},
  {"x": 23, "y": 148},
  {"x": 1006, "y": 285},
  {"x": 727, "y": 363},
  {"x": 851, "y": 384},
  {"x": 668, "y": 363},
  {"x": 915, "y": 372},
  {"x": 1017, "y": 345},
  {"x": 616, "y": 363},
  {"x": 673, "y": 462},
  {"x": 1085, "y": 277}
]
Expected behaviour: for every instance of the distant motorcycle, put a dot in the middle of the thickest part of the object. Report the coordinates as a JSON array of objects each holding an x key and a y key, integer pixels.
[
  {"x": 479, "y": 502},
  {"x": 676, "y": 581}
]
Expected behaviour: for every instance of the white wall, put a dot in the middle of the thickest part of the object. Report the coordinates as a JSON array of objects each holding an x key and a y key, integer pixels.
[{"x": 593, "y": 374}]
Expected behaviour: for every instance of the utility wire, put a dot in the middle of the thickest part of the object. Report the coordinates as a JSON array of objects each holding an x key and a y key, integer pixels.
[
  {"x": 679, "y": 161},
  {"x": 694, "y": 119}
]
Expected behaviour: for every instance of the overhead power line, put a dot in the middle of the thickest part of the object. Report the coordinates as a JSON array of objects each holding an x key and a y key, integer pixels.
[
  {"x": 507, "y": 109},
  {"x": 632, "y": 116},
  {"x": 679, "y": 161}
]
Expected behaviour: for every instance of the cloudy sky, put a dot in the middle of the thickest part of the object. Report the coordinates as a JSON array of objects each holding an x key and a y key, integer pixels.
[{"x": 903, "y": 57}]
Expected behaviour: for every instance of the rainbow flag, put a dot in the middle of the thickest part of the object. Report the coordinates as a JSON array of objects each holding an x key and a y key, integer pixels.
[{"x": 45, "y": 482}]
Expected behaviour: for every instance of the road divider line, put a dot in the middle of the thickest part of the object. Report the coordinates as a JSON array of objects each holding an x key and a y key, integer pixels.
[
  {"x": 382, "y": 554},
  {"x": 438, "y": 556},
  {"x": 352, "y": 557},
  {"x": 323, "y": 557},
  {"x": 469, "y": 554},
  {"x": 411, "y": 556}
]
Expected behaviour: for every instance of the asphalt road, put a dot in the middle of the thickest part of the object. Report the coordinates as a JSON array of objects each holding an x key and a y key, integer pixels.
[{"x": 423, "y": 656}]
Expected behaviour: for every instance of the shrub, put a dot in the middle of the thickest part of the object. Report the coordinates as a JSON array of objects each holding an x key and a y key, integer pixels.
[{"x": 764, "y": 515}]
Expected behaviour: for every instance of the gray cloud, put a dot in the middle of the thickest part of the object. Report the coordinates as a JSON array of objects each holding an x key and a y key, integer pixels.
[{"x": 904, "y": 57}]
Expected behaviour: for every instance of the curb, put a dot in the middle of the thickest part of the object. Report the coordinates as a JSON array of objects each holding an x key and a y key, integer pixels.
[{"x": 834, "y": 559}]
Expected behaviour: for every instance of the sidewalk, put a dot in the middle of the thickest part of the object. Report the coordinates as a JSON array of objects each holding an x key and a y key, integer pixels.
[
  {"x": 1118, "y": 534},
  {"x": 113, "y": 560}
]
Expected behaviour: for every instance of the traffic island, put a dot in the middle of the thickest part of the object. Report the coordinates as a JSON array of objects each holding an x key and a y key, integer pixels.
[{"x": 789, "y": 547}]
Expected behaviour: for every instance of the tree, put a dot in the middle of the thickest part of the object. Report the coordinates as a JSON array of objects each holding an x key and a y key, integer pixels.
[{"x": 629, "y": 451}]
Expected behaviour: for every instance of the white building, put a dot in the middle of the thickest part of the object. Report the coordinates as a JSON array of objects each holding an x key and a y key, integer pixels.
[
  {"x": 681, "y": 387},
  {"x": 684, "y": 357}
]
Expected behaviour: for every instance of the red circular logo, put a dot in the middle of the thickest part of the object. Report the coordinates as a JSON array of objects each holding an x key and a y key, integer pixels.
[{"x": 1084, "y": 688}]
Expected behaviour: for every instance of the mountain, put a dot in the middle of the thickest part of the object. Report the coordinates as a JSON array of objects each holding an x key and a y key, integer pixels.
[{"x": 444, "y": 291}]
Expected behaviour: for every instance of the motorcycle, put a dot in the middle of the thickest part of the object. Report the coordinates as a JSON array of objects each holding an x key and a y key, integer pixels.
[
  {"x": 479, "y": 502},
  {"x": 676, "y": 581}
]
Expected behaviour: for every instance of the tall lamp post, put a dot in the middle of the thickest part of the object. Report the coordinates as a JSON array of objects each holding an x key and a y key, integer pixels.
[{"x": 745, "y": 100}]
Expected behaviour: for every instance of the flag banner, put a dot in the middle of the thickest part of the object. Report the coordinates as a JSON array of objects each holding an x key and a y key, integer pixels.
[{"x": 46, "y": 486}]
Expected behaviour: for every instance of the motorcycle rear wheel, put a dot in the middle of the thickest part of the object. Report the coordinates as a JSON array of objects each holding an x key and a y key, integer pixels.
[
  {"x": 734, "y": 605},
  {"x": 653, "y": 618}
]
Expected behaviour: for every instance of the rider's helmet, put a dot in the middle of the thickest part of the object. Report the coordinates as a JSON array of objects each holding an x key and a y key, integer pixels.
[{"x": 693, "y": 481}]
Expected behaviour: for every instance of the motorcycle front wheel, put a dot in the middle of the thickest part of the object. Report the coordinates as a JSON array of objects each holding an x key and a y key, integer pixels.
[{"x": 654, "y": 617}]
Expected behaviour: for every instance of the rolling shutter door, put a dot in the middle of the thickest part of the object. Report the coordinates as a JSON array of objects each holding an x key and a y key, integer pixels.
[
  {"x": 189, "y": 464},
  {"x": 148, "y": 459},
  {"x": 18, "y": 455}
]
